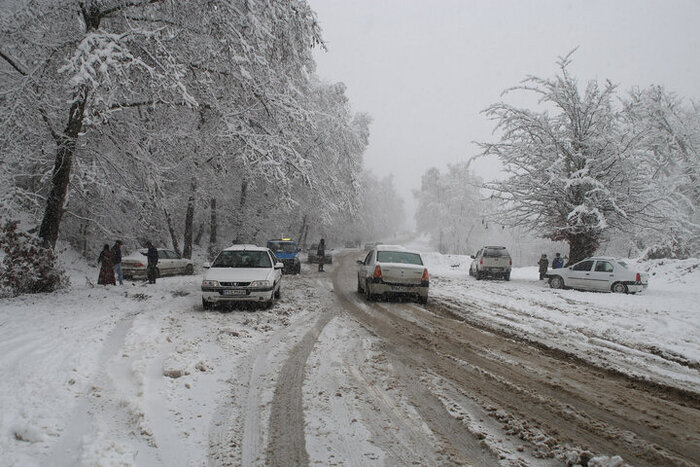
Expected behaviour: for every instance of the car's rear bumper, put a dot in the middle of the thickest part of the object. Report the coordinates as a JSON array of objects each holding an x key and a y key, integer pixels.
[
  {"x": 635, "y": 287},
  {"x": 492, "y": 270},
  {"x": 133, "y": 272},
  {"x": 394, "y": 288}
]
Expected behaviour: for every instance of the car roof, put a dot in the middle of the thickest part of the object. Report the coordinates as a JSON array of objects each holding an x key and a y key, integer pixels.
[
  {"x": 245, "y": 246},
  {"x": 394, "y": 248},
  {"x": 606, "y": 258},
  {"x": 496, "y": 247}
]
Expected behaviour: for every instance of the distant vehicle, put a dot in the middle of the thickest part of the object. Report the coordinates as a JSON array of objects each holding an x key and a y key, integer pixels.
[
  {"x": 242, "y": 273},
  {"x": 287, "y": 251},
  {"x": 169, "y": 263},
  {"x": 312, "y": 255},
  {"x": 393, "y": 270},
  {"x": 603, "y": 274},
  {"x": 491, "y": 261}
]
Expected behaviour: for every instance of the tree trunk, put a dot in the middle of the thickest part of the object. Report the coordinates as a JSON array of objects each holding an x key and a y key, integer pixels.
[
  {"x": 581, "y": 246},
  {"x": 300, "y": 238},
  {"x": 173, "y": 236},
  {"x": 189, "y": 219},
  {"x": 48, "y": 232},
  {"x": 200, "y": 234},
  {"x": 212, "y": 230}
]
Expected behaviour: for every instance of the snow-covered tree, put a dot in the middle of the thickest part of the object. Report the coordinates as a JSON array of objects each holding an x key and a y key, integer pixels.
[
  {"x": 572, "y": 166},
  {"x": 669, "y": 134}
]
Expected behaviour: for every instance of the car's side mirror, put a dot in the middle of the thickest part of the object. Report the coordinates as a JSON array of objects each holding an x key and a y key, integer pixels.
[
  {"x": 279, "y": 266},
  {"x": 473, "y": 257},
  {"x": 359, "y": 261},
  {"x": 206, "y": 265}
]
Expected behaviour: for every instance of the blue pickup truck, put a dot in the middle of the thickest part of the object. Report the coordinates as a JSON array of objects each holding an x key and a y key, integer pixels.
[{"x": 287, "y": 251}]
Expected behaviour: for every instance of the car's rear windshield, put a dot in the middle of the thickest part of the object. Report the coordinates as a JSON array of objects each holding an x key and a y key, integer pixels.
[
  {"x": 285, "y": 247},
  {"x": 623, "y": 264},
  {"x": 398, "y": 257},
  {"x": 242, "y": 259},
  {"x": 495, "y": 252}
]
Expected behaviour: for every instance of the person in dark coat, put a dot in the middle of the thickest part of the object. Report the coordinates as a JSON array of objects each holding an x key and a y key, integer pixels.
[
  {"x": 321, "y": 254},
  {"x": 557, "y": 262},
  {"x": 117, "y": 250},
  {"x": 106, "y": 260},
  {"x": 543, "y": 264},
  {"x": 151, "y": 269}
]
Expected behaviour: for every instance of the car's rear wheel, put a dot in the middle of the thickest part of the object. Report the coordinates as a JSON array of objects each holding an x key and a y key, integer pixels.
[
  {"x": 359, "y": 286},
  {"x": 619, "y": 287},
  {"x": 479, "y": 275},
  {"x": 506, "y": 276},
  {"x": 189, "y": 269},
  {"x": 368, "y": 292},
  {"x": 423, "y": 300},
  {"x": 278, "y": 292},
  {"x": 556, "y": 282}
]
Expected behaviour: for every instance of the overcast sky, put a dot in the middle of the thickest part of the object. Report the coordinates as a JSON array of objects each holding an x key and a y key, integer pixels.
[{"x": 425, "y": 69}]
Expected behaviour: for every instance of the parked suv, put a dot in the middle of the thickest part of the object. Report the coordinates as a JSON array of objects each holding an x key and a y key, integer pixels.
[{"x": 491, "y": 261}]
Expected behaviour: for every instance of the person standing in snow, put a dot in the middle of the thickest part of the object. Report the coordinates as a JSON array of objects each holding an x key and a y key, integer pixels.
[
  {"x": 557, "y": 262},
  {"x": 117, "y": 251},
  {"x": 544, "y": 264},
  {"x": 106, "y": 260},
  {"x": 152, "y": 256},
  {"x": 321, "y": 253}
]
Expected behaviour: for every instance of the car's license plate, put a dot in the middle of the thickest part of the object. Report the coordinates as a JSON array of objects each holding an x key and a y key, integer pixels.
[
  {"x": 234, "y": 292},
  {"x": 396, "y": 288}
]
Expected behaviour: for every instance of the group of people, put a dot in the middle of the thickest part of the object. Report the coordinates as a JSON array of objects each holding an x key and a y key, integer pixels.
[
  {"x": 543, "y": 263},
  {"x": 110, "y": 261}
]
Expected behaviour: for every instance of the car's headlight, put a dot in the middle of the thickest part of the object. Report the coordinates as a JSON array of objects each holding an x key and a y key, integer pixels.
[
  {"x": 260, "y": 284},
  {"x": 210, "y": 283}
]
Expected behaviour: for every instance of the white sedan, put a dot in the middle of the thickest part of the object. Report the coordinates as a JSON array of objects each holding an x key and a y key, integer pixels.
[
  {"x": 169, "y": 263},
  {"x": 600, "y": 274},
  {"x": 393, "y": 270},
  {"x": 242, "y": 273}
]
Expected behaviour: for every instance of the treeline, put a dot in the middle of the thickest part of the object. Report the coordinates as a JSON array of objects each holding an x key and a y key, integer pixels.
[
  {"x": 588, "y": 167},
  {"x": 181, "y": 122}
]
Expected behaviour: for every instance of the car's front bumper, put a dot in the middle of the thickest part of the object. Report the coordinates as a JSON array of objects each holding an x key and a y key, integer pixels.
[{"x": 242, "y": 294}]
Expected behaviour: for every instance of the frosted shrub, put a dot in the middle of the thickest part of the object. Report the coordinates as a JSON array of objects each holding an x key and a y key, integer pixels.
[{"x": 26, "y": 266}]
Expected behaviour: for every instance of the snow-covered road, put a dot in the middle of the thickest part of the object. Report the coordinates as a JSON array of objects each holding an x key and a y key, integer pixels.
[{"x": 490, "y": 372}]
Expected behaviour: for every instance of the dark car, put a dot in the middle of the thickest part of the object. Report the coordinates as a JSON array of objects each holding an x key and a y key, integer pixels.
[{"x": 312, "y": 255}]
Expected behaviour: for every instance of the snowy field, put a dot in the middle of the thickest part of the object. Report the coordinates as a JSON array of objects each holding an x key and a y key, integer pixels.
[
  {"x": 652, "y": 335},
  {"x": 116, "y": 375}
]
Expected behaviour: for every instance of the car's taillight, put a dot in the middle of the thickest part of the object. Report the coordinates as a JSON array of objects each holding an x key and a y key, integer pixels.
[
  {"x": 377, "y": 272},
  {"x": 140, "y": 265},
  {"x": 426, "y": 276},
  {"x": 481, "y": 261},
  {"x": 510, "y": 262},
  {"x": 639, "y": 277}
]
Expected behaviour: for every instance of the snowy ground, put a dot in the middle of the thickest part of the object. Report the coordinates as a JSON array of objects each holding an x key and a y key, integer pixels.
[{"x": 140, "y": 375}]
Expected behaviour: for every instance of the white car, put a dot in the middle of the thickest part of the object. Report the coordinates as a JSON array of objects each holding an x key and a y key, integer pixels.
[
  {"x": 169, "y": 263},
  {"x": 242, "y": 273},
  {"x": 601, "y": 274},
  {"x": 393, "y": 270}
]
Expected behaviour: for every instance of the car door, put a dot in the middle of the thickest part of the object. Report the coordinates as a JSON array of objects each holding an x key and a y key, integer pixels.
[
  {"x": 165, "y": 262},
  {"x": 603, "y": 275},
  {"x": 366, "y": 264},
  {"x": 579, "y": 276},
  {"x": 277, "y": 274}
]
